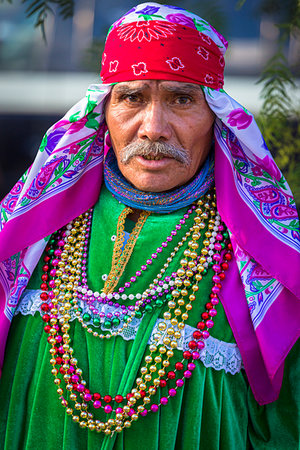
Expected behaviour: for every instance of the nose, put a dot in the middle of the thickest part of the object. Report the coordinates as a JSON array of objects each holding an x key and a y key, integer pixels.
[{"x": 154, "y": 124}]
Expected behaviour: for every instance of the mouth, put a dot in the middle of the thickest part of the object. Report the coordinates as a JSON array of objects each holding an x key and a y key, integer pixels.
[
  {"x": 153, "y": 162},
  {"x": 153, "y": 157}
]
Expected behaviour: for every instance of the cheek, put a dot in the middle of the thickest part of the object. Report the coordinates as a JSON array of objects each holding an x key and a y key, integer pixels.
[
  {"x": 197, "y": 126},
  {"x": 116, "y": 136},
  {"x": 198, "y": 138},
  {"x": 206, "y": 121},
  {"x": 121, "y": 130}
]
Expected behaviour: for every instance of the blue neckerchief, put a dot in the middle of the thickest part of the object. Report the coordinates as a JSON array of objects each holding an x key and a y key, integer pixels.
[{"x": 159, "y": 202}]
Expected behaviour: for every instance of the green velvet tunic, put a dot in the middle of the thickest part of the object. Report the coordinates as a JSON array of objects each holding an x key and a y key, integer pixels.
[{"x": 214, "y": 410}]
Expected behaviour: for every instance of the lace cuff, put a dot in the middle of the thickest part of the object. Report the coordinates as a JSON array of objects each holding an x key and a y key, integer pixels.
[{"x": 218, "y": 355}]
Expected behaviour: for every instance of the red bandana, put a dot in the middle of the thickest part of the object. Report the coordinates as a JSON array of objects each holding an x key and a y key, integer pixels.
[{"x": 161, "y": 51}]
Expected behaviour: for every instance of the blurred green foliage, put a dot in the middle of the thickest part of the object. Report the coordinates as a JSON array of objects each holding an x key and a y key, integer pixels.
[
  {"x": 278, "y": 120},
  {"x": 282, "y": 136}
]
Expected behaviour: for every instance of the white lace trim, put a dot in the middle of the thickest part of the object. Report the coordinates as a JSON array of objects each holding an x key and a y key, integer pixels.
[{"x": 216, "y": 354}]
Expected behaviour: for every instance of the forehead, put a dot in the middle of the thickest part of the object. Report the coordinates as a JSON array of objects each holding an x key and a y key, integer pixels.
[{"x": 157, "y": 85}]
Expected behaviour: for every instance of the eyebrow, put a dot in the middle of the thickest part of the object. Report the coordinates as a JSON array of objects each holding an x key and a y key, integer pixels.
[
  {"x": 183, "y": 88},
  {"x": 123, "y": 89}
]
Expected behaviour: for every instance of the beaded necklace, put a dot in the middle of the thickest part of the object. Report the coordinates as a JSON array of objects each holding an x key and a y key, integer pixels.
[
  {"x": 122, "y": 312},
  {"x": 80, "y": 403},
  {"x": 120, "y": 294},
  {"x": 129, "y": 313}
]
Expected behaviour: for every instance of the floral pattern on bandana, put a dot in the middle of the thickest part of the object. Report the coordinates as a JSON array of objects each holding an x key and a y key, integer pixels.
[
  {"x": 191, "y": 55},
  {"x": 113, "y": 65},
  {"x": 202, "y": 52},
  {"x": 139, "y": 68},
  {"x": 175, "y": 63},
  {"x": 141, "y": 31},
  {"x": 154, "y": 11},
  {"x": 150, "y": 22}
]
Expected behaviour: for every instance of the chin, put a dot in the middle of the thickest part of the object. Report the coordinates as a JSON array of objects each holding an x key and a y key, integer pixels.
[
  {"x": 162, "y": 180},
  {"x": 154, "y": 187},
  {"x": 156, "y": 182},
  {"x": 151, "y": 188}
]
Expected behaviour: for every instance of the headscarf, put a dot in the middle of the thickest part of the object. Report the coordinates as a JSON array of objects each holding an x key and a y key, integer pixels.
[{"x": 254, "y": 200}]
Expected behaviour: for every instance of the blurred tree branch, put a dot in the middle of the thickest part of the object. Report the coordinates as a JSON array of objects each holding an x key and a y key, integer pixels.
[
  {"x": 41, "y": 8},
  {"x": 278, "y": 120},
  {"x": 277, "y": 75}
]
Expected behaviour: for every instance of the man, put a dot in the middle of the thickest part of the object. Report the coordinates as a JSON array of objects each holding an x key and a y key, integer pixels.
[{"x": 165, "y": 313}]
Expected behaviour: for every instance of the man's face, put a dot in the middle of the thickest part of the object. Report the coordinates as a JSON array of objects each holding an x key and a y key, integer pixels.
[{"x": 171, "y": 112}]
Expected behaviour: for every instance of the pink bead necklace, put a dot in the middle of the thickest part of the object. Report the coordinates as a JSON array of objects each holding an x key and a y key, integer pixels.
[
  {"x": 144, "y": 300},
  {"x": 138, "y": 401},
  {"x": 120, "y": 293}
]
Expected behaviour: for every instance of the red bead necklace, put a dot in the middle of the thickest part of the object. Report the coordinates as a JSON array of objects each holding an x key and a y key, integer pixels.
[{"x": 56, "y": 315}]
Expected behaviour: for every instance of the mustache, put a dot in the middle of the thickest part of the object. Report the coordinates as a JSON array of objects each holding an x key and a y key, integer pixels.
[{"x": 157, "y": 148}]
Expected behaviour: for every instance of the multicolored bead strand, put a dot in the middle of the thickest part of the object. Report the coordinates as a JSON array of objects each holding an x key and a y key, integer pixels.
[{"x": 60, "y": 296}]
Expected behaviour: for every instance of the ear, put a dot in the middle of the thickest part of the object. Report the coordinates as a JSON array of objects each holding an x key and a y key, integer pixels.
[{"x": 107, "y": 141}]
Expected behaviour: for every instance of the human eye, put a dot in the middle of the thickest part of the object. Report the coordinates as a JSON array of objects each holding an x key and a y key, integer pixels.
[
  {"x": 183, "y": 99},
  {"x": 132, "y": 98}
]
